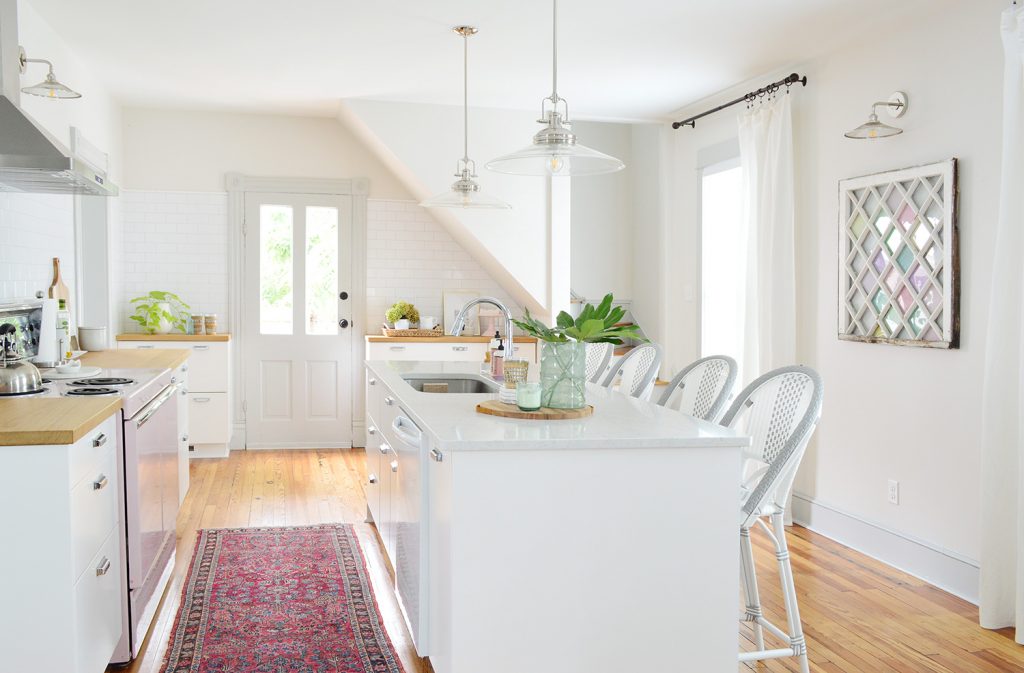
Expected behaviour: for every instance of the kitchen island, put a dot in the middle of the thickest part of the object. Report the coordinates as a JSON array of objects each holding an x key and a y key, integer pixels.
[{"x": 593, "y": 545}]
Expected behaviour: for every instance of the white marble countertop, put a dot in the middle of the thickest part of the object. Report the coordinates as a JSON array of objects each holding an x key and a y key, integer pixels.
[{"x": 618, "y": 421}]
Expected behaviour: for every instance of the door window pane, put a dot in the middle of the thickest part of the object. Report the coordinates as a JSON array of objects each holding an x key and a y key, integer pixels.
[
  {"x": 321, "y": 270},
  {"x": 275, "y": 269},
  {"x": 723, "y": 263}
]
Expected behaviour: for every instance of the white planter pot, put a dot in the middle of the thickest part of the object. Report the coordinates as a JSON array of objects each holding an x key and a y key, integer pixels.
[
  {"x": 402, "y": 324},
  {"x": 165, "y": 325}
]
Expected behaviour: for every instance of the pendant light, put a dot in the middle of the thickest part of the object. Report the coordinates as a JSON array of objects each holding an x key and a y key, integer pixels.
[
  {"x": 465, "y": 192},
  {"x": 554, "y": 150}
]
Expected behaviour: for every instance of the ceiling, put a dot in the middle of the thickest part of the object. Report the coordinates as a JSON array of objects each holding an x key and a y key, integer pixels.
[{"x": 618, "y": 59}]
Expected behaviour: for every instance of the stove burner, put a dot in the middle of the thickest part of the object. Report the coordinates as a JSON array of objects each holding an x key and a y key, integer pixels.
[
  {"x": 27, "y": 393},
  {"x": 103, "y": 381},
  {"x": 92, "y": 391}
]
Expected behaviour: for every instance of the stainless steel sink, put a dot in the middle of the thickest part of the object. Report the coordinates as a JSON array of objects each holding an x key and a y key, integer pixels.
[{"x": 451, "y": 384}]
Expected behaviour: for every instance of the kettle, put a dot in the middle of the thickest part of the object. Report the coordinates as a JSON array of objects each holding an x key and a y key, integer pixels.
[{"x": 18, "y": 376}]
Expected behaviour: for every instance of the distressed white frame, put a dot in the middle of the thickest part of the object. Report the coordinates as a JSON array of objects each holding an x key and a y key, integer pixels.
[
  {"x": 859, "y": 323},
  {"x": 238, "y": 186}
]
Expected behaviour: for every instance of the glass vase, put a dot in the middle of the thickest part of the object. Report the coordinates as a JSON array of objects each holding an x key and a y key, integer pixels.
[{"x": 563, "y": 369}]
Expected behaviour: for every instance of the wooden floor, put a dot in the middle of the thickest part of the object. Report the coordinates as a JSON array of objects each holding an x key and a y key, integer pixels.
[{"x": 860, "y": 615}]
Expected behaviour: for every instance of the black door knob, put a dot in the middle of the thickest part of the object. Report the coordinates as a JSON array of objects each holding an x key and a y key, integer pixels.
[
  {"x": 343, "y": 323},
  {"x": 343, "y": 295}
]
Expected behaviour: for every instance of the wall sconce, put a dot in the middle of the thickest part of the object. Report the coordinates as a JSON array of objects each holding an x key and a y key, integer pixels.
[
  {"x": 872, "y": 128},
  {"x": 49, "y": 87}
]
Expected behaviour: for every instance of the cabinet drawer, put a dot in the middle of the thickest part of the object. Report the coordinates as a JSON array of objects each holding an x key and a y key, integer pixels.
[
  {"x": 98, "y": 608},
  {"x": 374, "y": 437},
  {"x": 446, "y": 352},
  {"x": 208, "y": 421},
  {"x": 93, "y": 512},
  {"x": 208, "y": 364},
  {"x": 90, "y": 451}
]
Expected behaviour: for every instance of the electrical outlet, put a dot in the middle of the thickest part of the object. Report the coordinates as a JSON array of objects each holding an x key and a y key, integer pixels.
[{"x": 894, "y": 492}]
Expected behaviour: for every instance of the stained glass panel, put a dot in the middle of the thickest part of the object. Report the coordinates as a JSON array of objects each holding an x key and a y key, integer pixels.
[{"x": 901, "y": 226}]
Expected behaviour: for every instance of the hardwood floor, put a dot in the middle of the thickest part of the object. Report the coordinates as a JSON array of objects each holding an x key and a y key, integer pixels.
[{"x": 860, "y": 615}]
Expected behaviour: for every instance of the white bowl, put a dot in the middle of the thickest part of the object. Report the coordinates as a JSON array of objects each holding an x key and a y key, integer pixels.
[
  {"x": 69, "y": 367},
  {"x": 92, "y": 338}
]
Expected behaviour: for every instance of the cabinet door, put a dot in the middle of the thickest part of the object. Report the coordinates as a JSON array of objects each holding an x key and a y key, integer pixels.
[
  {"x": 373, "y": 465},
  {"x": 210, "y": 362},
  {"x": 183, "y": 439},
  {"x": 98, "y": 608},
  {"x": 444, "y": 352},
  {"x": 386, "y": 520},
  {"x": 208, "y": 418},
  {"x": 406, "y": 440}
]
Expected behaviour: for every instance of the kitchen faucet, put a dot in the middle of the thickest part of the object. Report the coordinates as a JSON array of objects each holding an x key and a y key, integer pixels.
[{"x": 460, "y": 321}]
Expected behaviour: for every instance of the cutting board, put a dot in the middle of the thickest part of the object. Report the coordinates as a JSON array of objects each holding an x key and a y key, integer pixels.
[
  {"x": 58, "y": 290},
  {"x": 496, "y": 408}
]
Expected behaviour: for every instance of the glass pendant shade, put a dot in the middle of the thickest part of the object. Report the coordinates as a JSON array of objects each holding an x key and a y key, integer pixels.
[
  {"x": 556, "y": 159},
  {"x": 51, "y": 88},
  {"x": 873, "y": 129}
]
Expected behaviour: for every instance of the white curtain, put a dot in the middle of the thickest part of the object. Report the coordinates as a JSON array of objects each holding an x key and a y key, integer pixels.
[
  {"x": 1002, "y": 522},
  {"x": 766, "y": 159}
]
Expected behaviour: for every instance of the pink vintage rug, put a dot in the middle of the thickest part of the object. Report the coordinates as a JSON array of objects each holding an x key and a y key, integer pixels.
[{"x": 279, "y": 600}]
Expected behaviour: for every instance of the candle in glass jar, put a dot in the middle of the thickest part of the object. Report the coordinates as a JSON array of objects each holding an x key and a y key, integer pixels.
[{"x": 528, "y": 396}]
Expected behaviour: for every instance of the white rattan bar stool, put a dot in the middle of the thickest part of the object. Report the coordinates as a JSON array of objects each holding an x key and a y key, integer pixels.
[
  {"x": 704, "y": 387},
  {"x": 779, "y": 411},
  {"x": 639, "y": 368},
  {"x": 598, "y": 357}
]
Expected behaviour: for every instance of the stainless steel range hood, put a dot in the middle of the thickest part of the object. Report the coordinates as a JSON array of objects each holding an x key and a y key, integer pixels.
[{"x": 32, "y": 161}]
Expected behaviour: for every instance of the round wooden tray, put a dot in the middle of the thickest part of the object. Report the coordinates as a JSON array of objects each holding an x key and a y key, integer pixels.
[
  {"x": 388, "y": 332},
  {"x": 496, "y": 408}
]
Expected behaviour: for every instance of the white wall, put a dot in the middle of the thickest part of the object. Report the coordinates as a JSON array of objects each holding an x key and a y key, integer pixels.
[
  {"x": 35, "y": 228},
  {"x": 177, "y": 242},
  {"x": 410, "y": 257},
  {"x": 890, "y": 412},
  {"x": 603, "y": 219},
  {"x": 422, "y": 143},
  {"x": 181, "y": 150}
]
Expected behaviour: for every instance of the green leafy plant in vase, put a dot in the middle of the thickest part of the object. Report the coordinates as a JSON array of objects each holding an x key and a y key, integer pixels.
[
  {"x": 159, "y": 312},
  {"x": 563, "y": 359},
  {"x": 402, "y": 314}
]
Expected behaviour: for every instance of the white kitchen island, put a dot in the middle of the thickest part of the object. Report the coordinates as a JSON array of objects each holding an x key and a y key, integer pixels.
[{"x": 602, "y": 545}]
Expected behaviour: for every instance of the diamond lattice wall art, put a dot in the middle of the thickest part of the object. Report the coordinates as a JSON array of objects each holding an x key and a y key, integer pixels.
[{"x": 899, "y": 276}]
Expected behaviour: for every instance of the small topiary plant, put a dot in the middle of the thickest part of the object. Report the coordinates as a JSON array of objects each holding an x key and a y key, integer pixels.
[{"x": 402, "y": 310}]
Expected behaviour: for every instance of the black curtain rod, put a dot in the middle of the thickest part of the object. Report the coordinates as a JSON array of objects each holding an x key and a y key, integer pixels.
[{"x": 749, "y": 97}]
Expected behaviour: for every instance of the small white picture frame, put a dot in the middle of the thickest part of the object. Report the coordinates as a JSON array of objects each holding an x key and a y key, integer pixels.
[{"x": 453, "y": 301}]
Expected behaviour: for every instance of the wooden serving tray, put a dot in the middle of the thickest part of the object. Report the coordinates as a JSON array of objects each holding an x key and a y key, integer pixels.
[
  {"x": 496, "y": 408},
  {"x": 388, "y": 332}
]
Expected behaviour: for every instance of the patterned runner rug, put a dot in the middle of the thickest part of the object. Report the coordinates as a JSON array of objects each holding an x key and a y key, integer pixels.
[{"x": 279, "y": 600}]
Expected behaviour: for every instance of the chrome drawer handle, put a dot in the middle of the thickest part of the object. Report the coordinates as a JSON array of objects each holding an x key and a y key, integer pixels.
[
  {"x": 184, "y": 438},
  {"x": 436, "y": 455},
  {"x": 371, "y": 430},
  {"x": 184, "y": 391},
  {"x": 200, "y": 399},
  {"x": 103, "y": 568},
  {"x": 145, "y": 346},
  {"x": 100, "y": 483},
  {"x": 373, "y": 478},
  {"x": 389, "y": 401},
  {"x": 397, "y": 348},
  {"x": 99, "y": 440},
  {"x": 384, "y": 447},
  {"x": 373, "y": 382},
  {"x": 200, "y": 348},
  {"x": 184, "y": 368},
  {"x": 460, "y": 348},
  {"x": 174, "y": 379},
  {"x": 394, "y": 466}
]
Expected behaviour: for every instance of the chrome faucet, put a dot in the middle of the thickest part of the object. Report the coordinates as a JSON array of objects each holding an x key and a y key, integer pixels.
[{"x": 460, "y": 322}]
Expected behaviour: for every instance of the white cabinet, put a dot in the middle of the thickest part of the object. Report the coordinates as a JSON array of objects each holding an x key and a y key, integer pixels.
[
  {"x": 395, "y": 498},
  {"x": 209, "y": 392},
  {"x": 465, "y": 350},
  {"x": 60, "y": 576},
  {"x": 181, "y": 379}
]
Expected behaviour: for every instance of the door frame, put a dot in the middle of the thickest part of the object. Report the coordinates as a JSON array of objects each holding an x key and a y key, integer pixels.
[{"x": 238, "y": 185}]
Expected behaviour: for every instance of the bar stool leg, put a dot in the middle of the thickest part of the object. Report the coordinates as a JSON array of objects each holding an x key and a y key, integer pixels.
[
  {"x": 796, "y": 631},
  {"x": 751, "y": 596}
]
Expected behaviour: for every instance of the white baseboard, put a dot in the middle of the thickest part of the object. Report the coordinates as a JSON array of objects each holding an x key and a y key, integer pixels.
[
  {"x": 237, "y": 442},
  {"x": 300, "y": 446},
  {"x": 946, "y": 569}
]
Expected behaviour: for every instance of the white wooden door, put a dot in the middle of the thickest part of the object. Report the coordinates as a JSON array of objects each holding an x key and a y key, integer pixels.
[{"x": 297, "y": 317}]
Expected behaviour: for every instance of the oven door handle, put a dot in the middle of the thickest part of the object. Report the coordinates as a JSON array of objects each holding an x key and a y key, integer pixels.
[{"x": 152, "y": 407}]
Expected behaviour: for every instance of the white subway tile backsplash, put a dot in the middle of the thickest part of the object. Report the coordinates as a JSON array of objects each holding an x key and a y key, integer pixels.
[{"x": 35, "y": 228}]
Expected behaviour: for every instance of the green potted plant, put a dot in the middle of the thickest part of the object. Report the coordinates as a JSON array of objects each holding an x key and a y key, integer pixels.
[
  {"x": 563, "y": 349},
  {"x": 159, "y": 312},
  {"x": 401, "y": 314}
]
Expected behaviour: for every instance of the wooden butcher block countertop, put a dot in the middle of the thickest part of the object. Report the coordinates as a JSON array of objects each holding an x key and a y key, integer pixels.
[
  {"x": 380, "y": 338},
  {"x": 173, "y": 337},
  {"x": 126, "y": 358},
  {"x": 52, "y": 420}
]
